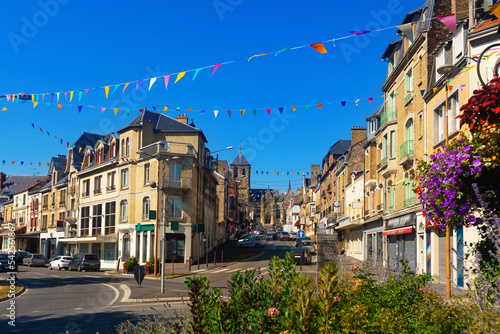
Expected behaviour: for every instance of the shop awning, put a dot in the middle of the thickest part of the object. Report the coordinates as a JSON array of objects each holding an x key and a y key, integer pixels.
[
  {"x": 401, "y": 230},
  {"x": 297, "y": 223}
]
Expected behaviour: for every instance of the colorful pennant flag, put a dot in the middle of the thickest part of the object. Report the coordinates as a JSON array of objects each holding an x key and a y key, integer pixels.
[
  {"x": 449, "y": 21},
  {"x": 229, "y": 113},
  {"x": 216, "y": 112},
  {"x": 422, "y": 91},
  {"x": 285, "y": 49},
  {"x": 319, "y": 47},
  {"x": 59, "y": 106},
  {"x": 116, "y": 110},
  {"x": 80, "y": 109},
  {"x": 138, "y": 84},
  {"x": 356, "y": 102},
  {"x": 306, "y": 107},
  {"x": 256, "y": 56},
  {"x": 34, "y": 104},
  {"x": 319, "y": 106},
  {"x": 360, "y": 32},
  {"x": 196, "y": 73},
  {"x": 268, "y": 111},
  {"x": 343, "y": 103},
  {"x": 407, "y": 30},
  {"x": 370, "y": 99},
  {"x": 102, "y": 109},
  {"x": 255, "y": 112},
  {"x": 215, "y": 68},
  {"x": 124, "y": 87},
  {"x": 151, "y": 82},
  {"x": 106, "y": 90},
  {"x": 294, "y": 108},
  {"x": 242, "y": 112},
  {"x": 179, "y": 76},
  {"x": 114, "y": 89}
]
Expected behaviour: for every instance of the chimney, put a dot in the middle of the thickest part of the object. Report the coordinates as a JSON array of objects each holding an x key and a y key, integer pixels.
[
  {"x": 358, "y": 133},
  {"x": 182, "y": 119},
  {"x": 3, "y": 177}
]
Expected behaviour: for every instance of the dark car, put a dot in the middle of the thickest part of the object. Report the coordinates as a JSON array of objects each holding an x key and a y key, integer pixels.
[
  {"x": 306, "y": 255},
  {"x": 7, "y": 263},
  {"x": 20, "y": 256},
  {"x": 85, "y": 261}
]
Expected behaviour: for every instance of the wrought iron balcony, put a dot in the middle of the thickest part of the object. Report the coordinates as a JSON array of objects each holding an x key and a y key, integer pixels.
[
  {"x": 182, "y": 183},
  {"x": 406, "y": 152},
  {"x": 390, "y": 114},
  {"x": 391, "y": 208}
]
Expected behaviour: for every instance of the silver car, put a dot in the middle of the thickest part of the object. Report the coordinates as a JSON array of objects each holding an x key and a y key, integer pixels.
[{"x": 34, "y": 260}]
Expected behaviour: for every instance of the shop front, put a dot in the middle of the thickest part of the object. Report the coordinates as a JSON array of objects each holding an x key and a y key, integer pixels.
[
  {"x": 373, "y": 240},
  {"x": 401, "y": 245}
]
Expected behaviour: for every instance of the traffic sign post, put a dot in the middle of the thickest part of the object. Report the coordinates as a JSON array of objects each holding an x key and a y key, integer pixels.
[{"x": 301, "y": 234}]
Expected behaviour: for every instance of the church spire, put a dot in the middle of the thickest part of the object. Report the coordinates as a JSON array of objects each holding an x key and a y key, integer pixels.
[{"x": 289, "y": 186}]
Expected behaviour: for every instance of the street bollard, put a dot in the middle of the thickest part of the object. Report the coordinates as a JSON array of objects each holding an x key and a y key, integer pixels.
[
  {"x": 300, "y": 254},
  {"x": 190, "y": 260},
  {"x": 173, "y": 265},
  {"x": 221, "y": 257},
  {"x": 198, "y": 261},
  {"x": 207, "y": 259},
  {"x": 215, "y": 260}
]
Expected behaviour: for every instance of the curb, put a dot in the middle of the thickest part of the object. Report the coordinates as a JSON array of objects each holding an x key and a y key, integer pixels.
[
  {"x": 20, "y": 292},
  {"x": 127, "y": 292}
]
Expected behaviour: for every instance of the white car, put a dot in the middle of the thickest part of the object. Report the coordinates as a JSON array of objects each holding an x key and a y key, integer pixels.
[
  {"x": 60, "y": 262},
  {"x": 253, "y": 241}
]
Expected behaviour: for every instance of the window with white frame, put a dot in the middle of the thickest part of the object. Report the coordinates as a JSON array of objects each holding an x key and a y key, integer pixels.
[
  {"x": 408, "y": 85},
  {"x": 146, "y": 174},
  {"x": 174, "y": 207},
  {"x": 97, "y": 219},
  {"x": 111, "y": 180},
  {"x": 453, "y": 112},
  {"x": 458, "y": 43},
  {"x": 145, "y": 208},
  {"x": 440, "y": 119},
  {"x": 109, "y": 218},
  {"x": 439, "y": 62},
  {"x": 84, "y": 221},
  {"x": 124, "y": 178},
  {"x": 123, "y": 210},
  {"x": 313, "y": 209},
  {"x": 439, "y": 124},
  {"x": 175, "y": 173}
]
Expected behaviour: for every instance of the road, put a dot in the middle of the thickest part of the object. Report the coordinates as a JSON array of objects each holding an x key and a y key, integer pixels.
[{"x": 90, "y": 302}]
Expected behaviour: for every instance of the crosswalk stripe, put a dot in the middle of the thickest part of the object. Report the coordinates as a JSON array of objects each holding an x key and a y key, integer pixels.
[
  {"x": 233, "y": 270},
  {"x": 197, "y": 271},
  {"x": 220, "y": 270}
]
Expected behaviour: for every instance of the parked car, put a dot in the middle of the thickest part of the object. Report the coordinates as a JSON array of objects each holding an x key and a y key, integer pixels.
[
  {"x": 252, "y": 241},
  {"x": 34, "y": 260},
  {"x": 60, "y": 262},
  {"x": 279, "y": 228},
  {"x": 20, "y": 256},
  {"x": 306, "y": 255},
  {"x": 293, "y": 236},
  {"x": 7, "y": 263},
  {"x": 85, "y": 261},
  {"x": 282, "y": 235},
  {"x": 306, "y": 244}
]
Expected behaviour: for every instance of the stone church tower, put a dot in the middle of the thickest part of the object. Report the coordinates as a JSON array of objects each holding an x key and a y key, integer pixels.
[{"x": 240, "y": 170}]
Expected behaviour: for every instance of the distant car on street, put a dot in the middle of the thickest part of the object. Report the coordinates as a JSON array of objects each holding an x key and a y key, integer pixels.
[
  {"x": 282, "y": 235},
  {"x": 306, "y": 244},
  {"x": 306, "y": 255},
  {"x": 34, "y": 260},
  {"x": 20, "y": 256},
  {"x": 60, "y": 262},
  {"x": 252, "y": 241},
  {"x": 7, "y": 263},
  {"x": 293, "y": 235},
  {"x": 85, "y": 261}
]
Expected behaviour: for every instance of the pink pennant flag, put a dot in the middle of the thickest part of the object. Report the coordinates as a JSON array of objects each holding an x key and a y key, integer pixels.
[
  {"x": 370, "y": 99},
  {"x": 229, "y": 113},
  {"x": 102, "y": 109},
  {"x": 449, "y": 21},
  {"x": 215, "y": 68},
  {"x": 268, "y": 111},
  {"x": 138, "y": 84},
  {"x": 86, "y": 90},
  {"x": 166, "y": 81}
]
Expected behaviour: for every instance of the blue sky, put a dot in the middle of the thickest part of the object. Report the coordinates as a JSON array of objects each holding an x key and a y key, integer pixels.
[{"x": 57, "y": 46}]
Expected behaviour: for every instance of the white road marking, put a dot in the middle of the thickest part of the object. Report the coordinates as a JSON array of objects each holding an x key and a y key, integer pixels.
[
  {"x": 197, "y": 271},
  {"x": 78, "y": 309},
  {"x": 126, "y": 294},
  {"x": 117, "y": 293},
  {"x": 233, "y": 270},
  {"x": 219, "y": 271}
]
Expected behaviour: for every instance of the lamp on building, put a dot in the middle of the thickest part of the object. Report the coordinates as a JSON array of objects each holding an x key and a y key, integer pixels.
[
  {"x": 447, "y": 71},
  {"x": 217, "y": 159}
]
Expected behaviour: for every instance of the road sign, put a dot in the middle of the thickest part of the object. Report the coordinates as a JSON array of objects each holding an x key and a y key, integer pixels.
[
  {"x": 139, "y": 273},
  {"x": 301, "y": 234}
]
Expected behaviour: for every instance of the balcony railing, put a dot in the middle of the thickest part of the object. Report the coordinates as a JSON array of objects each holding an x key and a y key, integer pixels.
[
  {"x": 45, "y": 207},
  {"x": 409, "y": 201},
  {"x": 145, "y": 217},
  {"x": 85, "y": 194},
  {"x": 391, "y": 208},
  {"x": 382, "y": 163},
  {"x": 110, "y": 188},
  {"x": 406, "y": 149},
  {"x": 408, "y": 97},
  {"x": 390, "y": 114},
  {"x": 183, "y": 183},
  {"x": 62, "y": 204},
  {"x": 379, "y": 207},
  {"x": 97, "y": 191}
]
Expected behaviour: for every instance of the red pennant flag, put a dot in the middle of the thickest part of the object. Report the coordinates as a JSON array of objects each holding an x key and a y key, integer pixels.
[
  {"x": 319, "y": 106},
  {"x": 215, "y": 68},
  {"x": 189, "y": 109},
  {"x": 370, "y": 99},
  {"x": 39, "y": 164},
  {"x": 319, "y": 47},
  {"x": 141, "y": 110},
  {"x": 268, "y": 111},
  {"x": 67, "y": 145},
  {"x": 41, "y": 130},
  {"x": 13, "y": 162}
]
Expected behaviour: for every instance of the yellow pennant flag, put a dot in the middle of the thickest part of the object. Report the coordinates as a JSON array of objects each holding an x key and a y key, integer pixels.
[
  {"x": 293, "y": 108},
  {"x": 59, "y": 106},
  {"x": 116, "y": 110},
  {"x": 242, "y": 111},
  {"x": 495, "y": 9},
  {"x": 106, "y": 89},
  {"x": 79, "y": 149},
  {"x": 165, "y": 108},
  {"x": 434, "y": 89},
  {"x": 125, "y": 87},
  {"x": 179, "y": 76},
  {"x": 35, "y": 104},
  {"x": 71, "y": 95},
  {"x": 32, "y": 98},
  {"x": 48, "y": 164},
  {"x": 3, "y": 109}
]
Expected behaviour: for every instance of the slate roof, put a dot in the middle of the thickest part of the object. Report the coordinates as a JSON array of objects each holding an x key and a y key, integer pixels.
[
  {"x": 161, "y": 123},
  {"x": 15, "y": 183},
  {"x": 337, "y": 149},
  {"x": 86, "y": 139},
  {"x": 240, "y": 161},
  {"x": 40, "y": 186}
]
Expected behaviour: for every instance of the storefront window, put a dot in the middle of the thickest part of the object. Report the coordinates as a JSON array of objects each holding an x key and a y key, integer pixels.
[{"x": 109, "y": 252}]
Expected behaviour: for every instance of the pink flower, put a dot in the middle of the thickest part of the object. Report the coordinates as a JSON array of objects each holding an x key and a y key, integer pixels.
[
  {"x": 273, "y": 312},
  {"x": 336, "y": 299}
]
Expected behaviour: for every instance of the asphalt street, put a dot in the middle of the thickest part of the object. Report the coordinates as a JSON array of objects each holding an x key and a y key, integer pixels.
[{"x": 89, "y": 302}]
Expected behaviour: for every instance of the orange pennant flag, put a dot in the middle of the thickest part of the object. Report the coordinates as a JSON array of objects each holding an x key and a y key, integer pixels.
[
  {"x": 242, "y": 111},
  {"x": 434, "y": 89},
  {"x": 189, "y": 109},
  {"x": 125, "y": 87},
  {"x": 106, "y": 89},
  {"x": 293, "y": 108},
  {"x": 319, "y": 106},
  {"x": 319, "y": 47},
  {"x": 48, "y": 164},
  {"x": 116, "y": 110},
  {"x": 450, "y": 88},
  {"x": 59, "y": 106}
]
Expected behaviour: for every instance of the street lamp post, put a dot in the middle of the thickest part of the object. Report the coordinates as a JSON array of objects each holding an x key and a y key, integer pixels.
[{"x": 447, "y": 70}]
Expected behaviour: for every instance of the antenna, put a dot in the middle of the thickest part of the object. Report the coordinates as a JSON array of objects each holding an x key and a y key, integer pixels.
[{"x": 35, "y": 171}]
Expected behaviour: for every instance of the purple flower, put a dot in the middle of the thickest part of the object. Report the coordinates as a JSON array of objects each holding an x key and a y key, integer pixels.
[
  {"x": 476, "y": 163},
  {"x": 472, "y": 218}
]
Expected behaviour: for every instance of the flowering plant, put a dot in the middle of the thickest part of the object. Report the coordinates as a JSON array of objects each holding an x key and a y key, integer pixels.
[{"x": 445, "y": 184}]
